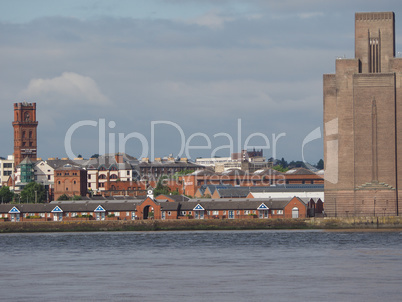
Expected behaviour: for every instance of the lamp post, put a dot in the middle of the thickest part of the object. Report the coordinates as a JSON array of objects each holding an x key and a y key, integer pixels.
[{"x": 36, "y": 196}]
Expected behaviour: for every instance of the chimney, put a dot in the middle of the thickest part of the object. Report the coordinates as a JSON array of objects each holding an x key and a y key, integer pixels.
[{"x": 119, "y": 158}]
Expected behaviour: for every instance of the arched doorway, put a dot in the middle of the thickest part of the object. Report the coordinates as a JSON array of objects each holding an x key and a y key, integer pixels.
[
  {"x": 148, "y": 212},
  {"x": 145, "y": 212}
]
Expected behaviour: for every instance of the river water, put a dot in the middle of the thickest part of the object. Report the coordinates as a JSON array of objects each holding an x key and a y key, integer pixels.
[{"x": 202, "y": 266}]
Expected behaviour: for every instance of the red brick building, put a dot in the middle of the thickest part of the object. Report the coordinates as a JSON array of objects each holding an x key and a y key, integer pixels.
[
  {"x": 25, "y": 125},
  {"x": 70, "y": 180},
  {"x": 363, "y": 122},
  {"x": 238, "y": 178}
]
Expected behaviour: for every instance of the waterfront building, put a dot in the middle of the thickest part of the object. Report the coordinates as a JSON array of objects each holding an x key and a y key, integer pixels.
[
  {"x": 167, "y": 166},
  {"x": 6, "y": 169},
  {"x": 363, "y": 122},
  {"x": 163, "y": 207},
  {"x": 301, "y": 191},
  {"x": 116, "y": 167},
  {"x": 250, "y": 161},
  {"x": 25, "y": 126},
  {"x": 238, "y": 178},
  {"x": 70, "y": 180}
]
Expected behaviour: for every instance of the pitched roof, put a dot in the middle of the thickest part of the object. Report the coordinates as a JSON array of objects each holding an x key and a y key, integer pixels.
[
  {"x": 233, "y": 172},
  {"x": 235, "y": 204},
  {"x": 299, "y": 171},
  {"x": 58, "y": 163},
  {"x": 26, "y": 161},
  {"x": 173, "y": 197},
  {"x": 236, "y": 192},
  {"x": 212, "y": 188},
  {"x": 267, "y": 171}
]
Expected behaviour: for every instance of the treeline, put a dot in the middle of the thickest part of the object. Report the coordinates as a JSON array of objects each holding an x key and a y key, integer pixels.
[
  {"x": 282, "y": 165},
  {"x": 31, "y": 193}
]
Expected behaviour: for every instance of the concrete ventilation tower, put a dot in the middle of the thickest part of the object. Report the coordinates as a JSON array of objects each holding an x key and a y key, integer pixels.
[{"x": 25, "y": 125}]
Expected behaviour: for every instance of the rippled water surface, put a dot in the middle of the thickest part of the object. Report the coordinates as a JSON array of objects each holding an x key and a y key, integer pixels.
[{"x": 202, "y": 266}]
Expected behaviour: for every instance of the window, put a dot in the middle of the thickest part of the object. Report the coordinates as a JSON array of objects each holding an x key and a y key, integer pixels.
[
  {"x": 246, "y": 212},
  {"x": 224, "y": 212},
  {"x": 237, "y": 212},
  {"x": 114, "y": 176},
  {"x": 183, "y": 212},
  {"x": 215, "y": 212},
  {"x": 89, "y": 185},
  {"x": 89, "y": 176},
  {"x": 127, "y": 213},
  {"x": 169, "y": 213},
  {"x": 128, "y": 172},
  {"x": 102, "y": 176},
  {"x": 116, "y": 213},
  {"x": 30, "y": 134},
  {"x": 279, "y": 212},
  {"x": 48, "y": 177}
]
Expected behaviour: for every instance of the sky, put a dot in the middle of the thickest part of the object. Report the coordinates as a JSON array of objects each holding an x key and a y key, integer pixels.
[{"x": 191, "y": 78}]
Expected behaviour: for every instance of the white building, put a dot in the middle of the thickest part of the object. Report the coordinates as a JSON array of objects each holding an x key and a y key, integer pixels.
[{"x": 6, "y": 168}]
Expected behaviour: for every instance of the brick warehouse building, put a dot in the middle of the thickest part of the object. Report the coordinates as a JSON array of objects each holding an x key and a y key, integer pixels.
[
  {"x": 363, "y": 124},
  {"x": 70, "y": 180}
]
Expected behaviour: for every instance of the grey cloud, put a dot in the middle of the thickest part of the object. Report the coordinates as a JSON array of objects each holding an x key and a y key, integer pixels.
[{"x": 266, "y": 71}]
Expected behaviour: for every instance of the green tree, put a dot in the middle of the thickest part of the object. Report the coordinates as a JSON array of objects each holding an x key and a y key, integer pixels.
[
  {"x": 161, "y": 189},
  {"x": 96, "y": 155},
  {"x": 31, "y": 190},
  {"x": 320, "y": 164},
  {"x": 280, "y": 168},
  {"x": 283, "y": 163},
  {"x": 6, "y": 195},
  {"x": 63, "y": 197},
  {"x": 67, "y": 197}
]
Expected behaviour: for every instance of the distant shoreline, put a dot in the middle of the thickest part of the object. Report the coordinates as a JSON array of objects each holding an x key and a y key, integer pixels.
[{"x": 351, "y": 224}]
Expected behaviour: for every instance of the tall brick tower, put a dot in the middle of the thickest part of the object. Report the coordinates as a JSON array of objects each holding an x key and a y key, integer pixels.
[
  {"x": 363, "y": 124},
  {"x": 25, "y": 125}
]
